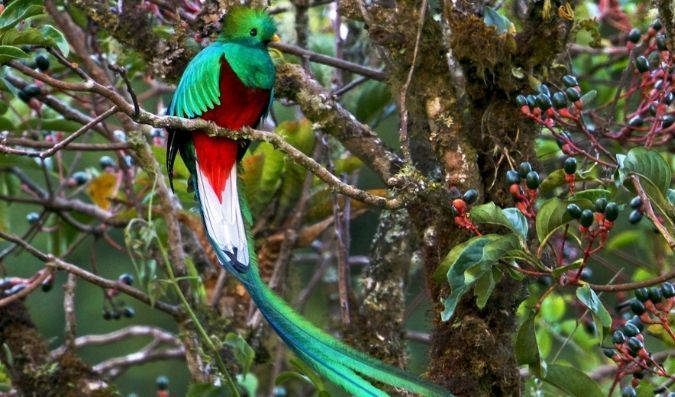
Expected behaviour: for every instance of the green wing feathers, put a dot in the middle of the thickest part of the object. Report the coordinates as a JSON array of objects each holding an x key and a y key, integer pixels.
[{"x": 199, "y": 89}]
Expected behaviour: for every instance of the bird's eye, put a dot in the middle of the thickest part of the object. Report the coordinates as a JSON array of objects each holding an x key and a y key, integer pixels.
[{"x": 253, "y": 32}]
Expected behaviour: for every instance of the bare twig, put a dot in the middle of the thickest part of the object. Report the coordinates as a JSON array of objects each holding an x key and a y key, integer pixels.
[
  {"x": 331, "y": 61},
  {"x": 69, "y": 309},
  {"x": 56, "y": 263}
]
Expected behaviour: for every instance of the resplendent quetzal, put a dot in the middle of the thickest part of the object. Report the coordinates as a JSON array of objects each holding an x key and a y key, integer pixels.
[{"x": 230, "y": 83}]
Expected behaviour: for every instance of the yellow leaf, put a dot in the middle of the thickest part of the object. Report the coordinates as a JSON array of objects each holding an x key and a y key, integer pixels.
[{"x": 102, "y": 188}]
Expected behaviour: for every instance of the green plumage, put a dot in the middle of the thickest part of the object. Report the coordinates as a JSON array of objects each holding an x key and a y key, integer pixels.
[{"x": 243, "y": 44}]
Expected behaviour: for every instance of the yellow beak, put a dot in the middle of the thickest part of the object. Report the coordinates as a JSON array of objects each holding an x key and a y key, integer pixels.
[{"x": 276, "y": 38}]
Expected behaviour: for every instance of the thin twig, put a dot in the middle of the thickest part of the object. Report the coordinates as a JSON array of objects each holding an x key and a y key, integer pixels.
[
  {"x": 69, "y": 310},
  {"x": 50, "y": 152},
  {"x": 403, "y": 132},
  {"x": 330, "y": 61}
]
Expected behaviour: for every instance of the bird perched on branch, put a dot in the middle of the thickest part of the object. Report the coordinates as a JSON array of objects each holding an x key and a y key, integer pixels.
[{"x": 230, "y": 83}]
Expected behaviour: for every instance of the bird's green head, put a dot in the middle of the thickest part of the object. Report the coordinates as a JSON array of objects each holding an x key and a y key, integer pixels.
[{"x": 250, "y": 26}]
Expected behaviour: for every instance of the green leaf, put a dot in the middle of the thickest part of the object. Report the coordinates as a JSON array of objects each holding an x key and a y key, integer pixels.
[
  {"x": 19, "y": 10},
  {"x": 467, "y": 262},
  {"x": 243, "y": 352},
  {"x": 55, "y": 37},
  {"x": 553, "y": 308},
  {"x": 627, "y": 238},
  {"x": 509, "y": 217},
  {"x": 588, "y": 97},
  {"x": 553, "y": 214},
  {"x": 249, "y": 382},
  {"x": 5, "y": 124},
  {"x": 500, "y": 22},
  {"x": 572, "y": 381},
  {"x": 304, "y": 369},
  {"x": 527, "y": 349},
  {"x": 591, "y": 195},
  {"x": 645, "y": 389},
  {"x": 590, "y": 299},
  {"x": 650, "y": 165},
  {"x": 485, "y": 285},
  {"x": 7, "y": 53}
]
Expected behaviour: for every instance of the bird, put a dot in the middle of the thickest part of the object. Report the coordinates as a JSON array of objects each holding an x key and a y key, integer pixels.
[{"x": 230, "y": 83}]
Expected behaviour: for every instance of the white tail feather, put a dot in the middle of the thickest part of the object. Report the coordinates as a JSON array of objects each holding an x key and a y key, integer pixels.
[{"x": 223, "y": 219}]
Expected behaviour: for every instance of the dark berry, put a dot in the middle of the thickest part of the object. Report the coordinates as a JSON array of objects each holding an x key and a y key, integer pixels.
[
  {"x": 634, "y": 35},
  {"x": 638, "y": 374},
  {"x": 661, "y": 43},
  {"x": 23, "y": 96},
  {"x": 126, "y": 278},
  {"x": 642, "y": 294},
  {"x": 636, "y": 121},
  {"x": 544, "y": 102},
  {"x": 570, "y": 165},
  {"x": 470, "y": 196},
  {"x": 32, "y": 90},
  {"x": 668, "y": 99},
  {"x": 656, "y": 25},
  {"x": 586, "y": 218},
  {"x": 570, "y": 81},
  {"x": 543, "y": 88},
  {"x": 635, "y": 217},
  {"x": 655, "y": 294},
  {"x": 531, "y": 101},
  {"x": 636, "y": 202},
  {"x": 524, "y": 168},
  {"x": 120, "y": 135},
  {"x": 634, "y": 344},
  {"x": 628, "y": 391},
  {"x": 618, "y": 337},
  {"x": 574, "y": 211},
  {"x": 586, "y": 274},
  {"x": 512, "y": 177},
  {"x": 642, "y": 64},
  {"x": 116, "y": 315},
  {"x": 559, "y": 100},
  {"x": 42, "y": 62},
  {"x": 157, "y": 133},
  {"x": 668, "y": 120},
  {"x": 520, "y": 101},
  {"x": 80, "y": 178},
  {"x": 637, "y": 307},
  {"x": 630, "y": 329},
  {"x": 129, "y": 312},
  {"x": 668, "y": 290},
  {"x": 106, "y": 161},
  {"x": 600, "y": 205},
  {"x": 609, "y": 353},
  {"x": 47, "y": 285},
  {"x": 532, "y": 180},
  {"x": 637, "y": 322},
  {"x": 611, "y": 211},
  {"x": 162, "y": 382},
  {"x": 107, "y": 315},
  {"x": 32, "y": 217},
  {"x": 572, "y": 94}
]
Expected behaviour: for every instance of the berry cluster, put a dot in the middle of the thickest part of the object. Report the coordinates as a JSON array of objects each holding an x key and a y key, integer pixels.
[
  {"x": 29, "y": 93},
  {"x": 629, "y": 351},
  {"x": 13, "y": 285},
  {"x": 603, "y": 215},
  {"x": 635, "y": 215},
  {"x": 116, "y": 311},
  {"x": 525, "y": 194},
  {"x": 651, "y": 122},
  {"x": 460, "y": 210}
]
